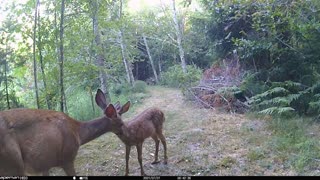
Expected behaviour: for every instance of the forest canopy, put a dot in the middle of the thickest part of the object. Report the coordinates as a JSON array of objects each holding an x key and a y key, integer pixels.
[{"x": 54, "y": 51}]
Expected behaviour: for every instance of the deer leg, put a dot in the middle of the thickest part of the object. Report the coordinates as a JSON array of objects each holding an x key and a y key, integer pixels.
[
  {"x": 139, "y": 150},
  {"x": 127, "y": 159},
  {"x": 69, "y": 169},
  {"x": 164, "y": 143},
  {"x": 12, "y": 158},
  {"x": 156, "y": 140}
]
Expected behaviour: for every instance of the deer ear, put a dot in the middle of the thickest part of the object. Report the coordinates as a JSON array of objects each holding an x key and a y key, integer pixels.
[
  {"x": 124, "y": 108},
  {"x": 110, "y": 111},
  {"x": 101, "y": 99}
]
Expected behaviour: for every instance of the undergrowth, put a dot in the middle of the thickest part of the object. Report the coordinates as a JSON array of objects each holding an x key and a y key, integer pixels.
[
  {"x": 82, "y": 106},
  {"x": 292, "y": 144}
]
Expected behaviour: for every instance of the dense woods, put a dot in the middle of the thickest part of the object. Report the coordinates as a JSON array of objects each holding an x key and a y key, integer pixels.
[{"x": 54, "y": 54}]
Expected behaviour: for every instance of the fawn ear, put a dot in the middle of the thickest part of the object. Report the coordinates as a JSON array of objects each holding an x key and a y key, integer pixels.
[
  {"x": 101, "y": 99},
  {"x": 110, "y": 111},
  {"x": 124, "y": 108}
]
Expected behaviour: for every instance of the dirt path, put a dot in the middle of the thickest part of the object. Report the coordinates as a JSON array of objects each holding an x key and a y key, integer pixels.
[{"x": 200, "y": 142}]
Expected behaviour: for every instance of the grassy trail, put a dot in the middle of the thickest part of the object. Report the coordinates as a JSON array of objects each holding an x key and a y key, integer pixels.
[{"x": 201, "y": 142}]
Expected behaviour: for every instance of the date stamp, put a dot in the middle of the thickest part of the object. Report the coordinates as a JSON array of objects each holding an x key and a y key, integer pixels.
[
  {"x": 14, "y": 177},
  {"x": 151, "y": 177}
]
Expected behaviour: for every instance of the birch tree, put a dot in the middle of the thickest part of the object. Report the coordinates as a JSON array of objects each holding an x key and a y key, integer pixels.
[
  {"x": 150, "y": 58},
  {"x": 179, "y": 35},
  {"x": 126, "y": 62}
]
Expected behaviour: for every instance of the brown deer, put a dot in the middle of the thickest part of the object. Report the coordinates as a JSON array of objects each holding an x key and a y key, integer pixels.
[
  {"x": 32, "y": 140},
  {"x": 133, "y": 133}
]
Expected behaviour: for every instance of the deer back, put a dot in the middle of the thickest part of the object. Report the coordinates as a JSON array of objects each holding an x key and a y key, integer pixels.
[
  {"x": 42, "y": 138},
  {"x": 142, "y": 126},
  {"x": 33, "y": 140}
]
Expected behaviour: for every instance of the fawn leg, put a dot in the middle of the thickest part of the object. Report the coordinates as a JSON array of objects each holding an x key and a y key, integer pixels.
[
  {"x": 139, "y": 150},
  {"x": 164, "y": 143},
  {"x": 156, "y": 140},
  {"x": 69, "y": 169},
  {"x": 127, "y": 159}
]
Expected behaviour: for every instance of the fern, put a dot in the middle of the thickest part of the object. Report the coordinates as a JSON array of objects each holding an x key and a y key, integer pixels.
[
  {"x": 315, "y": 88},
  {"x": 315, "y": 105},
  {"x": 277, "y": 110},
  {"x": 293, "y": 97},
  {"x": 268, "y": 94},
  {"x": 277, "y": 100}
]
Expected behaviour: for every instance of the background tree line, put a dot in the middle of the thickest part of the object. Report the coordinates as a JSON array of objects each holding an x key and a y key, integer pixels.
[{"x": 56, "y": 53}]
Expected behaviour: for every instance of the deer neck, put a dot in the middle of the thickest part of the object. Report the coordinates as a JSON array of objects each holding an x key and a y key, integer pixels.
[
  {"x": 125, "y": 136},
  {"x": 92, "y": 129}
]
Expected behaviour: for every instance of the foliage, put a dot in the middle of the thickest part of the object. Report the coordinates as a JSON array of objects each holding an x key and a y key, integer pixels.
[
  {"x": 80, "y": 105},
  {"x": 279, "y": 99},
  {"x": 123, "y": 92},
  {"x": 251, "y": 84},
  {"x": 139, "y": 87},
  {"x": 276, "y": 43},
  {"x": 175, "y": 77}
]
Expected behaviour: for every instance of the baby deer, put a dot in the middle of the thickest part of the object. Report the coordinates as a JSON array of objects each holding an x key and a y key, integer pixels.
[{"x": 132, "y": 133}]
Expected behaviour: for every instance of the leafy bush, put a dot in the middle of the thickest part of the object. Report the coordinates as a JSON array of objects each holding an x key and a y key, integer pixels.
[
  {"x": 124, "y": 92},
  {"x": 252, "y": 85},
  {"x": 175, "y": 77},
  {"x": 139, "y": 86},
  {"x": 120, "y": 88}
]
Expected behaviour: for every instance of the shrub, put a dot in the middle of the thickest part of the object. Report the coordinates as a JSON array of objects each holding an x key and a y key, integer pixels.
[
  {"x": 175, "y": 77},
  {"x": 120, "y": 88},
  {"x": 139, "y": 86}
]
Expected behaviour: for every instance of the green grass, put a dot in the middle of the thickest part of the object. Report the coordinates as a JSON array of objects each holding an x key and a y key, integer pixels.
[
  {"x": 227, "y": 162},
  {"x": 291, "y": 144},
  {"x": 79, "y": 105},
  {"x": 255, "y": 154}
]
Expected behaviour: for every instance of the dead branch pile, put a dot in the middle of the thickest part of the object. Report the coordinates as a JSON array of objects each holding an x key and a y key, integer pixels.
[{"x": 215, "y": 89}]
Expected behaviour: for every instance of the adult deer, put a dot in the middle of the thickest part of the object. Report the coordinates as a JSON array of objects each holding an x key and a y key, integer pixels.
[
  {"x": 32, "y": 140},
  {"x": 133, "y": 133}
]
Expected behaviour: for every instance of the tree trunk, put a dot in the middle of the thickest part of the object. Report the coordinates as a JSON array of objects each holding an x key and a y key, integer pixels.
[
  {"x": 179, "y": 37},
  {"x": 100, "y": 60},
  {"x": 61, "y": 60},
  {"x": 160, "y": 69},
  {"x": 150, "y": 58},
  {"x": 6, "y": 78},
  {"x": 42, "y": 66},
  {"x": 127, "y": 64},
  {"x": 34, "y": 55}
]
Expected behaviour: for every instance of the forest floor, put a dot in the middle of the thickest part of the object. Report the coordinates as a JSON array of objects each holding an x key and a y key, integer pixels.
[{"x": 201, "y": 142}]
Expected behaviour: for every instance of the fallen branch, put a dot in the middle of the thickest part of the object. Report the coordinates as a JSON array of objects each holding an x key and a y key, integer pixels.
[{"x": 200, "y": 100}]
